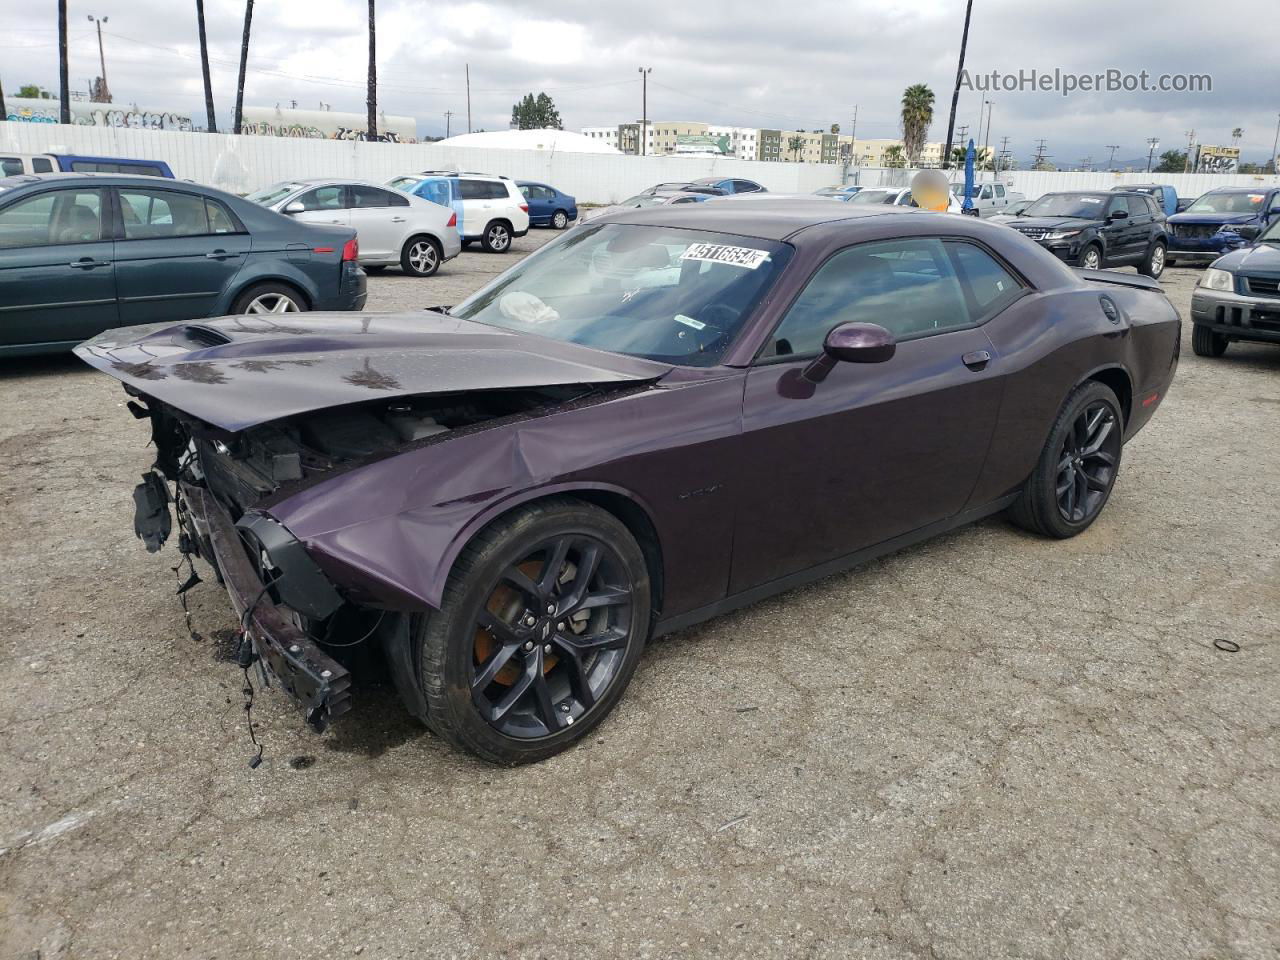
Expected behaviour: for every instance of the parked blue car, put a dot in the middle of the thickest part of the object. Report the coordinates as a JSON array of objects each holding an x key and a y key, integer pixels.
[
  {"x": 548, "y": 207},
  {"x": 731, "y": 184},
  {"x": 1222, "y": 220},
  {"x": 1165, "y": 196}
]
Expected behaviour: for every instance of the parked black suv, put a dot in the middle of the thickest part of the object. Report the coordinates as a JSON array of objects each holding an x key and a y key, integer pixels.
[{"x": 1094, "y": 230}]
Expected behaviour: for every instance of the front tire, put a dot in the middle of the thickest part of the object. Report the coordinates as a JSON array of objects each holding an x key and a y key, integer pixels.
[
  {"x": 542, "y": 623},
  {"x": 1077, "y": 469},
  {"x": 1206, "y": 343},
  {"x": 420, "y": 257},
  {"x": 497, "y": 237},
  {"x": 1091, "y": 257},
  {"x": 1155, "y": 261},
  {"x": 559, "y": 220}
]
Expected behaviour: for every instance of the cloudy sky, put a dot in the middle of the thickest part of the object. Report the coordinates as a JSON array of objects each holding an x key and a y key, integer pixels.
[{"x": 748, "y": 62}]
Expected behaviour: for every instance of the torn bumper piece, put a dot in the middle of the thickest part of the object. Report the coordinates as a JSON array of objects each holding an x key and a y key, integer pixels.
[{"x": 320, "y": 684}]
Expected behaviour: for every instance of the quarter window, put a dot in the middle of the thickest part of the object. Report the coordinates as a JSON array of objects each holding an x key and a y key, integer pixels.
[
  {"x": 991, "y": 287},
  {"x": 362, "y": 196},
  {"x": 55, "y": 217},
  {"x": 909, "y": 287},
  {"x": 41, "y": 165}
]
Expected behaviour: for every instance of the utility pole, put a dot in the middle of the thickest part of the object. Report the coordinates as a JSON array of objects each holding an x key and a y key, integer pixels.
[
  {"x": 448, "y": 118},
  {"x": 3, "y": 112},
  {"x": 468, "y": 98},
  {"x": 244, "y": 62},
  {"x": 1111, "y": 160},
  {"x": 103, "y": 93},
  {"x": 1275, "y": 145},
  {"x": 986, "y": 140},
  {"x": 955, "y": 93},
  {"x": 644, "y": 109},
  {"x": 64, "y": 85},
  {"x": 371, "y": 98},
  {"x": 1004, "y": 152},
  {"x": 204, "y": 68},
  {"x": 1039, "y": 159},
  {"x": 1191, "y": 139},
  {"x": 1152, "y": 142}
]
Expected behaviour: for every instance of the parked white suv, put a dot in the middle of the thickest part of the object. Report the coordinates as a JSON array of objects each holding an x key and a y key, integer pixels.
[
  {"x": 391, "y": 228},
  {"x": 490, "y": 209}
]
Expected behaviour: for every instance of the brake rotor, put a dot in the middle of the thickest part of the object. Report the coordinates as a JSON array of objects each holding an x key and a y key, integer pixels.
[{"x": 507, "y": 604}]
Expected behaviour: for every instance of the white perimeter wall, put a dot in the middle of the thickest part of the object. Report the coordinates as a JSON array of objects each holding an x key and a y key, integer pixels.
[{"x": 242, "y": 164}]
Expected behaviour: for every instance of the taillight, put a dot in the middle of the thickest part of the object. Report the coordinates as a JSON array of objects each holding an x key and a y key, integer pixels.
[
  {"x": 524, "y": 207},
  {"x": 453, "y": 220},
  {"x": 352, "y": 250}
]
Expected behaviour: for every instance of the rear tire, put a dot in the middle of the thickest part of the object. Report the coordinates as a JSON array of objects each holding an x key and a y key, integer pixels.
[
  {"x": 270, "y": 298},
  {"x": 1155, "y": 261},
  {"x": 559, "y": 220},
  {"x": 513, "y": 691},
  {"x": 1078, "y": 466},
  {"x": 420, "y": 257},
  {"x": 497, "y": 237},
  {"x": 1206, "y": 343}
]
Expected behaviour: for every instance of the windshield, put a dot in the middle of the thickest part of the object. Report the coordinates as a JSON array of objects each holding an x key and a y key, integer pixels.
[
  {"x": 874, "y": 196},
  {"x": 269, "y": 195},
  {"x": 644, "y": 200},
  {"x": 1228, "y": 203},
  {"x": 404, "y": 183},
  {"x": 672, "y": 295},
  {"x": 1087, "y": 206}
]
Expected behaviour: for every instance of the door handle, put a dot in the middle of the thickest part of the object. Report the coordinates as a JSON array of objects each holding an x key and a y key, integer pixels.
[
  {"x": 88, "y": 263},
  {"x": 977, "y": 360},
  {"x": 220, "y": 255},
  {"x": 397, "y": 219}
]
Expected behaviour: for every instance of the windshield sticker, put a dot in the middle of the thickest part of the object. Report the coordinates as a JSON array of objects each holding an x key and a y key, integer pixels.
[
  {"x": 720, "y": 253},
  {"x": 1255, "y": 198},
  {"x": 690, "y": 322},
  {"x": 1090, "y": 199}
]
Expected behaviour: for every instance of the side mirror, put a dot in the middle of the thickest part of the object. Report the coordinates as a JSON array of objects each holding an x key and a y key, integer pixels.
[
  {"x": 1119, "y": 215},
  {"x": 295, "y": 207},
  {"x": 851, "y": 343},
  {"x": 1274, "y": 210}
]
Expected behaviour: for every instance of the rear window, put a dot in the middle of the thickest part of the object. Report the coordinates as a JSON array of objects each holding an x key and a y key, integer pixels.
[{"x": 10, "y": 166}]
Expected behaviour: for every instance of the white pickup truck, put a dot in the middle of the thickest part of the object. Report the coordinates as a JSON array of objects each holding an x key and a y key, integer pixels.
[{"x": 988, "y": 198}]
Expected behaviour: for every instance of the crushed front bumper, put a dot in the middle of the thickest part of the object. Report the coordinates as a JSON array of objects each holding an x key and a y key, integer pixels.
[{"x": 320, "y": 684}]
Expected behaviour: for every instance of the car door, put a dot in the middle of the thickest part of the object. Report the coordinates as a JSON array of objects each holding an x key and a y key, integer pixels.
[
  {"x": 873, "y": 451},
  {"x": 176, "y": 252},
  {"x": 379, "y": 224},
  {"x": 327, "y": 204},
  {"x": 57, "y": 267},
  {"x": 539, "y": 199},
  {"x": 1117, "y": 232},
  {"x": 998, "y": 202}
]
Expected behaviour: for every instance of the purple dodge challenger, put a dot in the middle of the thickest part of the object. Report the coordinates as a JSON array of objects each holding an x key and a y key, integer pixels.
[{"x": 660, "y": 416}]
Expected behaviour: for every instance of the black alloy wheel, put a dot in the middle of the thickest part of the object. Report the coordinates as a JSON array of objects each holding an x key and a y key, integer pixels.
[{"x": 1087, "y": 462}]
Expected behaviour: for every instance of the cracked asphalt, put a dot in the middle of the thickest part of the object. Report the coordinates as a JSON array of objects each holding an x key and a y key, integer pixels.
[{"x": 987, "y": 746}]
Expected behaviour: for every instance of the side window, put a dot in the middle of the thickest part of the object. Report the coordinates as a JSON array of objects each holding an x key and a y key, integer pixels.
[
  {"x": 221, "y": 219},
  {"x": 149, "y": 214},
  {"x": 991, "y": 287},
  {"x": 41, "y": 165},
  {"x": 55, "y": 217},
  {"x": 397, "y": 199},
  {"x": 322, "y": 198},
  {"x": 11, "y": 166},
  {"x": 474, "y": 190},
  {"x": 986, "y": 193},
  {"x": 500, "y": 191},
  {"x": 528, "y": 191},
  {"x": 362, "y": 196},
  {"x": 999, "y": 189},
  {"x": 908, "y": 286},
  {"x": 1118, "y": 204}
]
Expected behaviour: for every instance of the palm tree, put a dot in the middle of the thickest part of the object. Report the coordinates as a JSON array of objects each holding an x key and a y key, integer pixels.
[
  {"x": 372, "y": 99},
  {"x": 893, "y": 156},
  {"x": 917, "y": 114},
  {"x": 244, "y": 62},
  {"x": 795, "y": 145},
  {"x": 204, "y": 66},
  {"x": 64, "y": 91}
]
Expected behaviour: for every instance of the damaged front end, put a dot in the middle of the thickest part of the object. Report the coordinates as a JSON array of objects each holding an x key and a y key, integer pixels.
[{"x": 294, "y": 616}]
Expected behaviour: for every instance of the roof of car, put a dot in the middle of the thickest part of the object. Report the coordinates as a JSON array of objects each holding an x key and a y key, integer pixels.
[
  {"x": 1259, "y": 189},
  {"x": 764, "y": 218},
  {"x": 161, "y": 183}
]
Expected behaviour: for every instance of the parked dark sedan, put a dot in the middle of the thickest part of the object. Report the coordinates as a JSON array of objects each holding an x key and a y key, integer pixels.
[
  {"x": 82, "y": 253},
  {"x": 1222, "y": 220},
  {"x": 1238, "y": 297},
  {"x": 659, "y": 417},
  {"x": 1095, "y": 230}
]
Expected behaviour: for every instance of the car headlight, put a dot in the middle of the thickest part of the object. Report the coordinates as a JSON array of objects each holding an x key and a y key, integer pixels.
[
  {"x": 1061, "y": 234},
  {"x": 1217, "y": 280}
]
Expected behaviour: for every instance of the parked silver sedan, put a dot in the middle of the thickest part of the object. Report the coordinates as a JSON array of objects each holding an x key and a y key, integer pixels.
[{"x": 392, "y": 228}]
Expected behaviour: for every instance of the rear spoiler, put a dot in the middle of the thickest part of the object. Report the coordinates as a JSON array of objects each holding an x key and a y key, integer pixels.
[{"x": 1121, "y": 279}]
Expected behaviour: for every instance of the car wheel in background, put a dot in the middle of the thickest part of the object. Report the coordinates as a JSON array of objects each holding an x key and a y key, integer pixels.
[
  {"x": 1153, "y": 265},
  {"x": 269, "y": 298},
  {"x": 542, "y": 623},
  {"x": 1077, "y": 468},
  {"x": 1091, "y": 257},
  {"x": 1206, "y": 343},
  {"x": 559, "y": 220},
  {"x": 497, "y": 237},
  {"x": 420, "y": 257}
]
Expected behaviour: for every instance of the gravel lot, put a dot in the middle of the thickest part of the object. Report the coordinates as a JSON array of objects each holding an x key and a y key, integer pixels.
[{"x": 987, "y": 746}]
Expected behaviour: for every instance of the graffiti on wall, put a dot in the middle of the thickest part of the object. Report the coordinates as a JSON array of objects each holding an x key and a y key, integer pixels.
[
  {"x": 88, "y": 114},
  {"x": 264, "y": 128}
]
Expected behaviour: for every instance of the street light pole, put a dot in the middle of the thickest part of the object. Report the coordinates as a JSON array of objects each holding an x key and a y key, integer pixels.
[
  {"x": 104, "y": 91},
  {"x": 986, "y": 139},
  {"x": 644, "y": 108},
  {"x": 1275, "y": 145}
]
